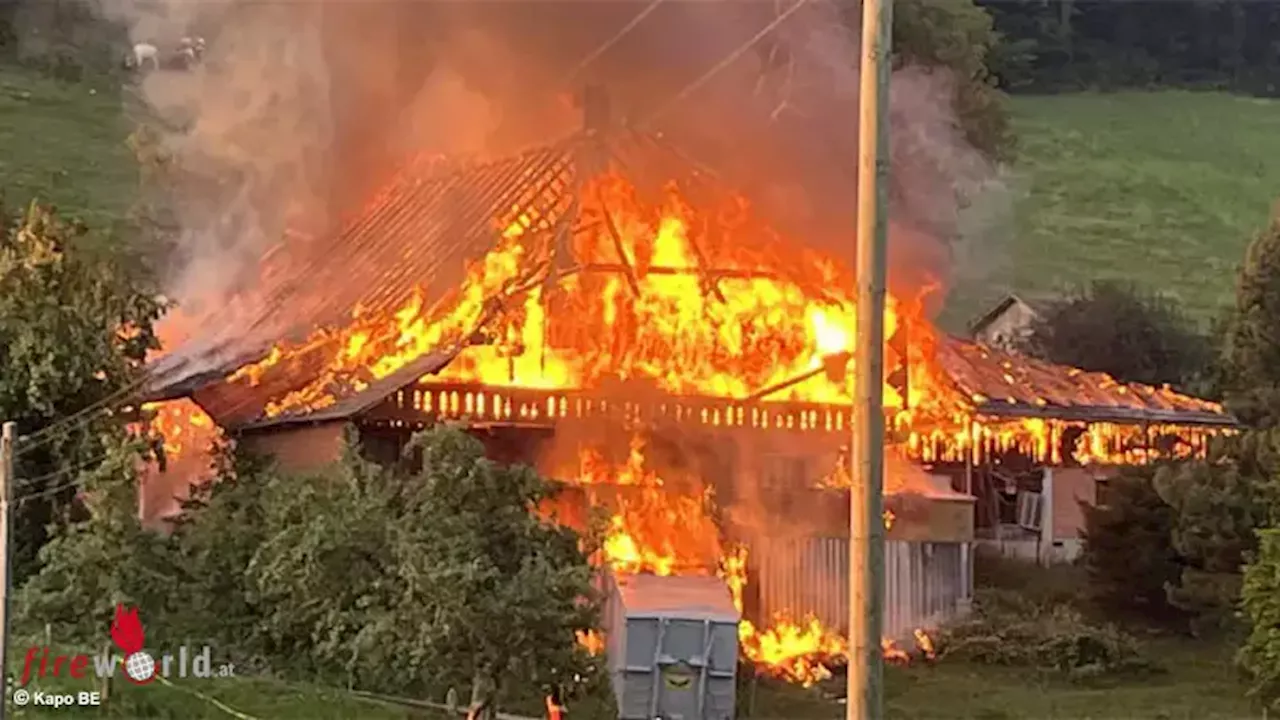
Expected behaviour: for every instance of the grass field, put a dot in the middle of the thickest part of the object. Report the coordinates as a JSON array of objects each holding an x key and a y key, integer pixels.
[
  {"x": 1200, "y": 685},
  {"x": 1162, "y": 188},
  {"x": 218, "y": 699},
  {"x": 65, "y": 144}
]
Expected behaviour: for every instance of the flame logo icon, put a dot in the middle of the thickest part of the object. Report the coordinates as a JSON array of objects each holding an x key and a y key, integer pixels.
[{"x": 127, "y": 634}]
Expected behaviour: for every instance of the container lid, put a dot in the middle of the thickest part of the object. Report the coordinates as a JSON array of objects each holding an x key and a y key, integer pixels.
[{"x": 677, "y": 596}]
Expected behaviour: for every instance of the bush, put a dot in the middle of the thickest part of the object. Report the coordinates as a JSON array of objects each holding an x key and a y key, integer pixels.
[
  {"x": 105, "y": 558},
  {"x": 1260, "y": 656},
  {"x": 213, "y": 603},
  {"x": 1128, "y": 555},
  {"x": 1121, "y": 330},
  {"x": 446, "y": 546},
  {"x": 1028, "y": 581},
  {"x": 1218, "y": 509},
  {"x": 1007, "y": 629}
]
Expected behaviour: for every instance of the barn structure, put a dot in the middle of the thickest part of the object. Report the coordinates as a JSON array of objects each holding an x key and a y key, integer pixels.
[
  {"x": 1010, "y": 320},
  {"x": 610, "y": 310}
]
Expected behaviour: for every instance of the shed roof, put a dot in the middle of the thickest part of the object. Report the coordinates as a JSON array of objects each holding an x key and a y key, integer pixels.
[
  {"x": 1037, "y": 304},
  {"x": 1003, "y": 383},
  {"x": 433, "y": 218}
]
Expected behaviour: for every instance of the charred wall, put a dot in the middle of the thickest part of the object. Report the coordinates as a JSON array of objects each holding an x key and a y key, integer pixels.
[{"x": 299, "y": 448}]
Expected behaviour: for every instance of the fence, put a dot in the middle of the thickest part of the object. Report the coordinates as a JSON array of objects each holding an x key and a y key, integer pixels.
[{"x": 926, "y": 584}]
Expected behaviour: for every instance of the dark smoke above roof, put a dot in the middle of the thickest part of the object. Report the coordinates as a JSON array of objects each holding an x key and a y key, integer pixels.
[{"x": 423, "y": 228}]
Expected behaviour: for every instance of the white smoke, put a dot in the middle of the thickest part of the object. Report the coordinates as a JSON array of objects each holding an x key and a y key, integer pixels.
[{"x": 300, "y": 109}]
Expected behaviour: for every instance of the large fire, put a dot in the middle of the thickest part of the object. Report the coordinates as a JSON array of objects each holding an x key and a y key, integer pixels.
[
  {"x": 645, "y": 289},
  {"x": 668, "y": 528},
  {"x": 642, "y": 289},
  {"x": 650, "y": 294},
  {"x": 186, "y": 434}
]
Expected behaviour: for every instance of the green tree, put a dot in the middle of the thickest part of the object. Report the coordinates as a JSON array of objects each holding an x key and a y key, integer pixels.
[
  {"x": 1217, "y": 510},
  {"x": 1251, "y": 362},
  {"x": 957, "y": 35},
  {"x": 75, "y": 328},
  {"x": 449, "y": 549},
  {"x": 1128, "y": 550},
  {"x": 104, "y": 558},
  {"x": 1260, "y": 656},
  {"x": 215, "y": 536},
  {"x": 1115, "y": 328}
]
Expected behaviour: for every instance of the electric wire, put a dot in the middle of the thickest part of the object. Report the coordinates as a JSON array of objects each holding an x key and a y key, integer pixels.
[
  {"x": 80, "y": 418},
  {"x": 724, "y": 63},
  {"x": 608, "y": 44}
]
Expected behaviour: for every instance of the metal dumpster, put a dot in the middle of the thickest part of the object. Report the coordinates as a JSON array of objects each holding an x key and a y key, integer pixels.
[{"x": 673, "y": 647}]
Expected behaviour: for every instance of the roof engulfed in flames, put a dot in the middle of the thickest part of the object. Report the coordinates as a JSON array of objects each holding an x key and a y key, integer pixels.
[{"x": 590, "y": 278}]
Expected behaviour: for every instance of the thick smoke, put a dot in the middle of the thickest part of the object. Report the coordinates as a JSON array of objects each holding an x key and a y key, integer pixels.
[{"x": 301, "y": 109}]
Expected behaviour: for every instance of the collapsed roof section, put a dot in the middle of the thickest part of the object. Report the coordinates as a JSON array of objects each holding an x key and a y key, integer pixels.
[
  {"x": 1005, "y": 384},
  {"x": 417, "y": 236}
]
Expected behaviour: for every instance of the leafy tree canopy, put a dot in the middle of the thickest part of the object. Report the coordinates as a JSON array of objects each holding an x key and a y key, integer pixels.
[
  {"x": 1128, "y": 553},
  {"x": 957, "y": 35},
  {"x": 75, "y": 328},
  {"x": 1251, "y": 362},
  {"x": 1217, "y": 506},
  {"x": 1117, "y": 329},
  {"x": 407, "y": 580},
  {"x": 103, "y": 558},
  {"x": 450, "y": 548},
  {"x": 1260, "y": 656}
]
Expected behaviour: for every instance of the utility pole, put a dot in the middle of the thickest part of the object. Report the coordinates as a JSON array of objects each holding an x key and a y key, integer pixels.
[
  {"x": 865, "y": 699},
  {"x": 8, "y": 437}
]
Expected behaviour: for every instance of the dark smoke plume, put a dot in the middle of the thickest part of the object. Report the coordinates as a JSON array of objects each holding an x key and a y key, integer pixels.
[{"x": 301, "y": 109}]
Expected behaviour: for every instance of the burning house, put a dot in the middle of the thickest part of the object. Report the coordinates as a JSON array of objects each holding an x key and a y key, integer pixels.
[{"x": 614, "y": 313}]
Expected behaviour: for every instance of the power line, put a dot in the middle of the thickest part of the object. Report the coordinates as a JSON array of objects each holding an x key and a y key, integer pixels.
[
  {"x": 608, "y": 44},
  {"x": 55, "y": 489},
  {"x": 724, "y": 63},
  {"x": 86, "y": 465},
  {"x": 47, "y": 492},
  {"x": 79, "y": 418}
]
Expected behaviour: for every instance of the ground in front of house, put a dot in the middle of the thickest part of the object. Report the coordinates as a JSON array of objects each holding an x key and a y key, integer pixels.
[{"x": 1200, "y": 684}]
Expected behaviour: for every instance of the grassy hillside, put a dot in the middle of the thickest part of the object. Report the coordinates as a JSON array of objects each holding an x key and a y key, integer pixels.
[
  {"x": 1163, "y": 188},
  {"x": 65, "y": 144}
]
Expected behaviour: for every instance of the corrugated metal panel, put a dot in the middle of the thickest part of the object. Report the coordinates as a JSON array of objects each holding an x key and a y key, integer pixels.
[{"x": 925, "y": 583}]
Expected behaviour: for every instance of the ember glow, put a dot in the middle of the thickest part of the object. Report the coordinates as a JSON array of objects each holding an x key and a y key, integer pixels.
[
  {"x": 186, "y": 434},
  {"x": 665, "y": 529},
  {"x": 185, "y": 428},
  {"x": 646, "y": 289},
  {"x": 652, "y": 295},
  {"x": 592, "y": 641}
]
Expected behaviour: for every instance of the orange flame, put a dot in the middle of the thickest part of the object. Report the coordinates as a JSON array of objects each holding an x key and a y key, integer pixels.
[
  {"x": 655, "y": 528},
  {"x": 591, "y": 640},
  {"x": 657, "y": 297},
  {"x": 187, "y": 434},
  {"x": 699, "y": 302}
]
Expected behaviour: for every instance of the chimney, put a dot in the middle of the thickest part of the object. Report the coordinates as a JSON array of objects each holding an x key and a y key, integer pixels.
[{"x": 595, "y": 109}]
